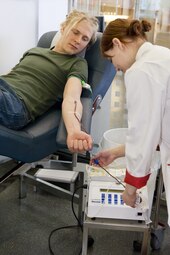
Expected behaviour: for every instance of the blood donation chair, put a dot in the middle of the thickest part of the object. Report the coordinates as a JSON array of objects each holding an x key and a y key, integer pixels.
[{"x": 47, "y": 135}]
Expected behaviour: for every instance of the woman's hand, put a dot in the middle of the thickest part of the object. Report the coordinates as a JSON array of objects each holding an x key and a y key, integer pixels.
[
  {"x": 106, "y": 157},
  {"x": 129, "y": 195}
]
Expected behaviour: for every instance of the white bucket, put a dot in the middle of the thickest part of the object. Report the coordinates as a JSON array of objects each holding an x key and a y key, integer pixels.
[{"x": 113, "y": 138}]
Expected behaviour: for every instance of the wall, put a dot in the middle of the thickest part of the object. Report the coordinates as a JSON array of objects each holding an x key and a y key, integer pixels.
[
  {"x": 51, "y": 14},
  {"x": 21, "y": 24},
  {"x": 18, "y": 30}
]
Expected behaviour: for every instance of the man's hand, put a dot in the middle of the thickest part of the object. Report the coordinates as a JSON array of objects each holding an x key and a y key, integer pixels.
[{"x": 79, "y": 141}]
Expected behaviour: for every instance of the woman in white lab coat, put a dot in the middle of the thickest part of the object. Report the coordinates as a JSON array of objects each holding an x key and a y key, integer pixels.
[{"x": 146, "y": 69}]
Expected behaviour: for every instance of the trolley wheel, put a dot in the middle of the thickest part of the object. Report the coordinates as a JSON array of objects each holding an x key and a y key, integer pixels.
[
  {"x": 157, "y": 236},
  {"x": 156, "y": 240},
  {"x": 137, "y": 245}
]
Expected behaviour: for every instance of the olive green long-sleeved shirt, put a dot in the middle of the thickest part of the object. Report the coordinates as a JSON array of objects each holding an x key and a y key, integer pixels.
[{"x": 40, "y": 77}]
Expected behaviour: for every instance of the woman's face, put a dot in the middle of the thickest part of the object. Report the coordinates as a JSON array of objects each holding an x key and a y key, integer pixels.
[
  {"x": 121, "y": 55},
  {"x": 75, "y": 40}
]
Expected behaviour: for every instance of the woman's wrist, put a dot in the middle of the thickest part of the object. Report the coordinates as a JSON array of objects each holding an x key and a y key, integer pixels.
[
  {"x": 118, "y": 151},
  {"x": 131, "y": 190}
]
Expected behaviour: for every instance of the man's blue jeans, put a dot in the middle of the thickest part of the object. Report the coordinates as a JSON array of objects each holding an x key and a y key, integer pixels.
[{"x": 13, "y": 112}]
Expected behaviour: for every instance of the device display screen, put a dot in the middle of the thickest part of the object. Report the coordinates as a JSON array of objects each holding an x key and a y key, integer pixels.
[{"x": 111, "y": 190}]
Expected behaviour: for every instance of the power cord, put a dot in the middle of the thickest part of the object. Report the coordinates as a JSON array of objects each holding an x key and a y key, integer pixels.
[
  {"x": 53, "y": 231},
  {"x": 90, "y": 241}
]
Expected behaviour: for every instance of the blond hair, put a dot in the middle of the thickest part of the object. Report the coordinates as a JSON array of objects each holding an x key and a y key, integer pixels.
[{"x": 74, "y": 17}]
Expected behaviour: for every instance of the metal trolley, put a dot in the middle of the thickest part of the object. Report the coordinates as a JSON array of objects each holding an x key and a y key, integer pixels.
[{"x": 152, "y": 232}]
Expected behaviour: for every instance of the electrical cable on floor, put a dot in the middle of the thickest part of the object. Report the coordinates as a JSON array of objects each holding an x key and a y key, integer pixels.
[{"x": 71, "y": 226}]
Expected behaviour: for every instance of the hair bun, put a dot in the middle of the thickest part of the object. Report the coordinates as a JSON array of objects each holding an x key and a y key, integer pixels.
[
  {"x": 146, "y": 25},
  {"x": 137, "y": 27}
]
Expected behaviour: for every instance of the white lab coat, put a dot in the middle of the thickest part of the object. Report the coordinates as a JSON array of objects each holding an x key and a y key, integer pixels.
[{"x": 147, "y": 84}]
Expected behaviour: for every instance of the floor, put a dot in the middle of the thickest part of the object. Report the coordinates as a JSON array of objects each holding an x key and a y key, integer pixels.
[{"x": 26, "y": 224}]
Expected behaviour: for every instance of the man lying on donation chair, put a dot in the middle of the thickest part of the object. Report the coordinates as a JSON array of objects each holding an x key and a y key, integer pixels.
[{"x": 45, "y": 76}]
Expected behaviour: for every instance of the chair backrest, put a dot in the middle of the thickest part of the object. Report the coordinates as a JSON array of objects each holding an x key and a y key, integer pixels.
[{"x": 101, "y": 71}]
